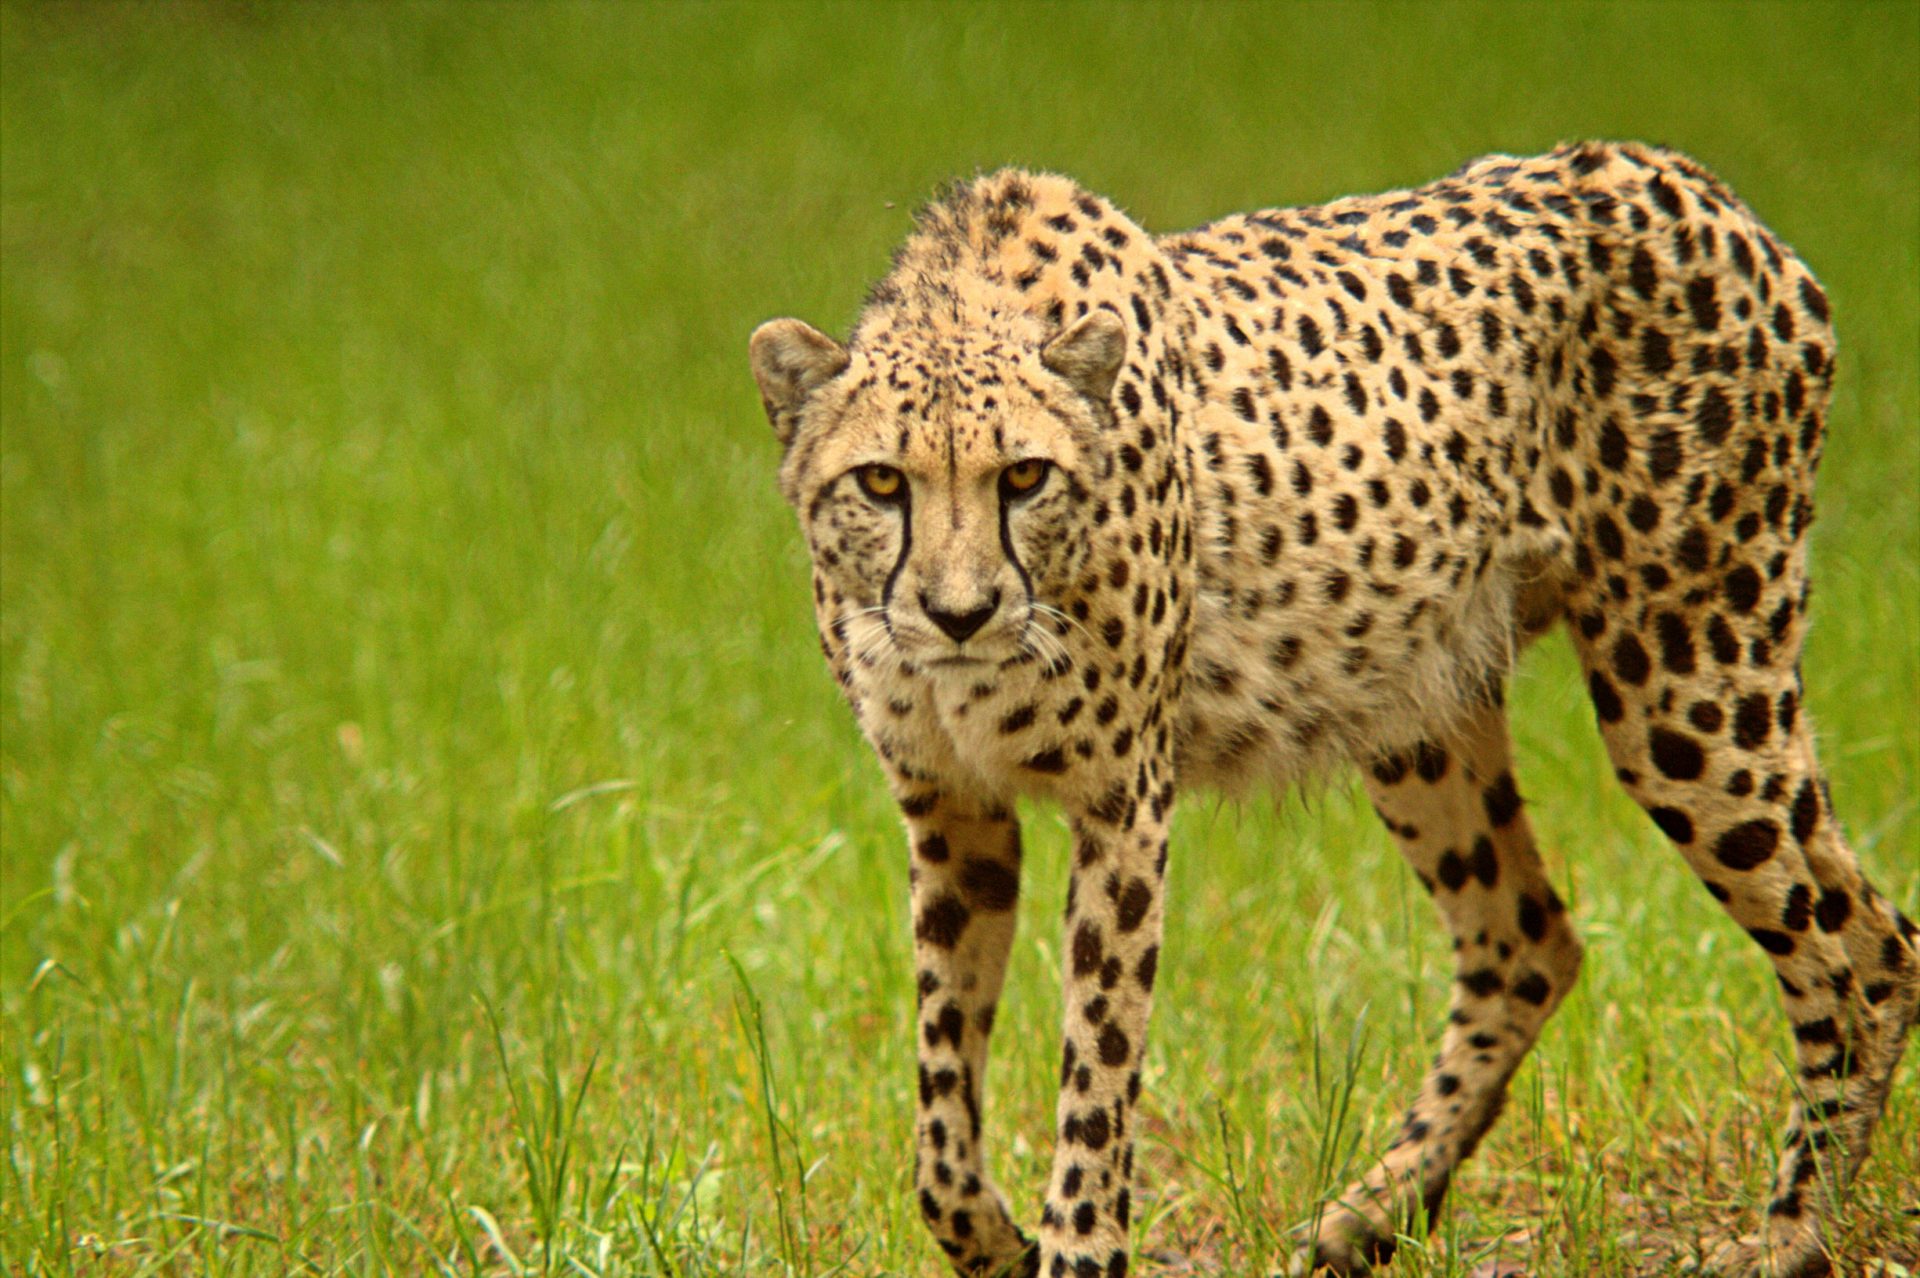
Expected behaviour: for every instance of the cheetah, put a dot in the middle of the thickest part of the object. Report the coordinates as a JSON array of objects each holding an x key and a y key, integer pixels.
[{"x": 1097, "y": 516}]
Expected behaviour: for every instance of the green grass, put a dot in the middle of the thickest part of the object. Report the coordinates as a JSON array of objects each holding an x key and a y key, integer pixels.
[{"x": 431, "y": 843}]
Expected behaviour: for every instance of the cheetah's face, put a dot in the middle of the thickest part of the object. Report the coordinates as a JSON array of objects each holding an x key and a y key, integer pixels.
[{"x": 944, "y": 494}]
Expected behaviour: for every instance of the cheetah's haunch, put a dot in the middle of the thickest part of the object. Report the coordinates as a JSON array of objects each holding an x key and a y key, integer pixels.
[{"x": 1099, "y": 516}]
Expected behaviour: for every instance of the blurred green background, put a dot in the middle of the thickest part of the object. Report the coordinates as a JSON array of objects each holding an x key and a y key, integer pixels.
[{"x": 430, "y": 841}]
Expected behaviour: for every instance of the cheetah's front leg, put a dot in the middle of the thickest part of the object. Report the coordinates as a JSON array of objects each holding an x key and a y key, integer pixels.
[
  {"x": 966, "y": 879},
  {"x": 1458, "y": 818},
  {"x": 1111, "y": 955}
]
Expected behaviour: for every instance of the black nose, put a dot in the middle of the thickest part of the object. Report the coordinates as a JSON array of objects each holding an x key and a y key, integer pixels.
[{"x": 960, "y": 625}]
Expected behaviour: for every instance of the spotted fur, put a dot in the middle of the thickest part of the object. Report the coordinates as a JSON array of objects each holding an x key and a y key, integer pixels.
[{"x": 1312, "y": 477}]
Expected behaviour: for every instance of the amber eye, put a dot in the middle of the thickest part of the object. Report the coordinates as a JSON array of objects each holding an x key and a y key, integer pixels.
[
  {"x": 1024, "y": 477},
  {"x": 882, "y": 483}
]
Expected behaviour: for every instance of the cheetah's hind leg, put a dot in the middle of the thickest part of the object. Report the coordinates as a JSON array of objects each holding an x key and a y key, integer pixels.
[
  {"x": 1721, "y": 756},
  {"x": 1457, "y": 817}
]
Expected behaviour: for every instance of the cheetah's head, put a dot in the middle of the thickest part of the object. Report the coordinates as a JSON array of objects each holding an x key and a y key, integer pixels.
[{"x": 943, "y": 484}]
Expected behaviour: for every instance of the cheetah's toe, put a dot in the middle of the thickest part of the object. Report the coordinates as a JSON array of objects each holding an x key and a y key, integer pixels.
[
  {"x": 1798, "y": 1255},
  {"x": 1342, "y": 1244}
]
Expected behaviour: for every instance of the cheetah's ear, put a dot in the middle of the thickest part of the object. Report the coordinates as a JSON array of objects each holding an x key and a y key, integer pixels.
[
  {"x": 1089, "y": 353},
  {"x": 790, "y": 361}
]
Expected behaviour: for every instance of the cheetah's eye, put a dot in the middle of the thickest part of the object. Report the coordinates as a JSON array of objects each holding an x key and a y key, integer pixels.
[
  {"x": 882, "y": 483},
  {"x": 1023, "y": 478}
]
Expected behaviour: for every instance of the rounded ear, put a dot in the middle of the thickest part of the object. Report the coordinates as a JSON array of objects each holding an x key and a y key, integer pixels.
[
  {"x": 1089, "y": 353},
  {"x": 790, "y": 360}
]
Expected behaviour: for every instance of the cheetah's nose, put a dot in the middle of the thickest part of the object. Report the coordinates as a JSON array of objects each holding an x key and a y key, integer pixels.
[{"x": 960, "y": 625}]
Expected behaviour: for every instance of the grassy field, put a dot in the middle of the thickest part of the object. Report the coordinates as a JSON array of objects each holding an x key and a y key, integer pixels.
[{"x": 431, "y": 843}]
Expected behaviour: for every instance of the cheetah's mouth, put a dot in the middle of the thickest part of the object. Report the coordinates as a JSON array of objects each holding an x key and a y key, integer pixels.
[{"x": 956, "y": 660}]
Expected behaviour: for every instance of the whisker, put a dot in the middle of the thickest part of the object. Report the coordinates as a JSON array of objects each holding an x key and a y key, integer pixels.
[
  {"x": 869, "y": 640},
  {"x": 1048, "y": 610},
  {"x": 1045, "y": 645}
]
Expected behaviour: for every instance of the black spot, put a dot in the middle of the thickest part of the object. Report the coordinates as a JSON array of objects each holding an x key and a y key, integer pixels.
[
  {"x": 1310, "y": 339},
  {"x": 1482, "y": 982},
  {"x": 989, "y": 884},
  {"x": 1502, "y": 800},
  {"x": 942, "y": 921},
  {"x": 1532, "y": 988},
  {"x": 1089, "y": 951},
  {"x": 1613, "y": 445},
  {"x": 1047, "y": 761},
  {"x": 1111, "y": 807},
  {"x": 1742, "y": 254},
  {"x": 1606, "y": 534},
  {"x": 1396, "y": 440},
  {"x": 1656, "y": 350},
  {"x": 1522, "y": 292},
  {"x": 1821, "y": 1031},
  {"x": 1742, "y": 587},
  {"x": 1491, "y": 330},
  {"x": 1665, "y": 455},
  {"x": 951, "y": 1025},
  {"x": 1485, "y": 863},
  {"x": 1666, "y": 197},
  {"x": 1281, "y": 367},
  {"x": 1676, "y": 755},
  {"x": 1533, "y": 917},
  {"x": 1713, "y": 416},
  {"x": 1693, "y": 550},
  {"x": 1748, "y": 844},
  {"x": 1606, "y": 701},
  {"x": 1673, "y": 823},
  {"x": 1704, "y": 302},
  {"x": 1642, "y": 275},
  {"x": 1113, "y": 1045},
  {"x": 1630, "y": 660},
  {"x": 1676, "y": 642},
  {"x": 1603, "y": 366},
  {"x": 1833, "y": 909},
  {"x": 1814, "y": 300},
  {"x": 1390, "y": 769},
  {"x": 1797, "y": 913},
  {"x": 1806, "y": 811},
  {"x": 1752, "y": 720},
  {"x": 1134, "y": 903}
]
